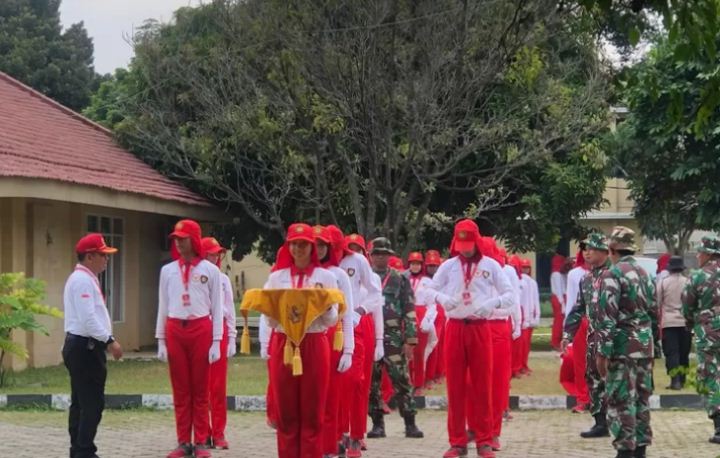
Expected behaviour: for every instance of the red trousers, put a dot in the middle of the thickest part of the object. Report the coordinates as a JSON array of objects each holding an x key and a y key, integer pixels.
[
  {"x": 300, "y": 400},
  {"x": 517, "y": 350},
  {"x": 501, "y": 347},
  {"x": 526, "y": 342},
  {"x": 188, "y": 345},
  {"x": 218, "y": 390},
  {"x": 469, "y": 360},
  {"x": 270, "y": 405},
  {"x": 417, "y": 365},
  {"x": 580, "y": 363},
  {"x": 435, "y": 366},
  {"x": 331, "y": 417},
  {"x": 557, "y": 324},
  {"x": 353, "y": 412}
]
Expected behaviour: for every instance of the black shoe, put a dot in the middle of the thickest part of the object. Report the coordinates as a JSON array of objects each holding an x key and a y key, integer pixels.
[
  {"x": 378, "y": 429},
  {"x": 411, "y": 429},
  {"x": 715, "y": 439},
  {"x": 675, "y": 383},
  {"x": 624, "y": 454},
  {"x": 640, "y": 451},
  {"x": 599, "y": 429}
]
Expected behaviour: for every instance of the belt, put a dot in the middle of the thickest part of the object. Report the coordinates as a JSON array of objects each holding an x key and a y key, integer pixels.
[
  {"x": 84, "y": 339},
  {"x": 185, "y": 321},
  {"x": 470, "y": 321}
]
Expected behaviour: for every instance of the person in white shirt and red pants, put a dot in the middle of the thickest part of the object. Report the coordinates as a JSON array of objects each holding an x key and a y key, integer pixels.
[
  {"x": 189, "y": 330},
  {"x": 214, "y": 253},
  {"x": 88, "y": 334},
  {"x": 470, "y": 286}
]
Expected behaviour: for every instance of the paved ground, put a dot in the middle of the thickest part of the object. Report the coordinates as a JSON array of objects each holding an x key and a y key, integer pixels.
[{"x": 137, "y": 433}]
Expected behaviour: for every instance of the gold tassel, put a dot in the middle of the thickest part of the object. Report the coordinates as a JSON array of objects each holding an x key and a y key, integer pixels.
[
  {"x": 245, "y": 342},
  {"x": 339, "y": 337},
  {"x": 297, "y": 363},
  {"x": 287, "y": 353}
]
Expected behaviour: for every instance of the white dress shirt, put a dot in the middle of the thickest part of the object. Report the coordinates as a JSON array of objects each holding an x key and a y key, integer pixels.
[
  {"x": 424, "y": 294},
  {"x": 206, "y": 296},
  {"x": 574, "y": 277},
  {"x": 86, "y": 314},
  {"x": 348, "y": 325},
  {"x": 558, "y": 285},
  {"x": 488, "y": 285},
  {"x": 530, "y": 302},
  {"x": 228, "y": 305},
  {"x": 358, "y": 269}
]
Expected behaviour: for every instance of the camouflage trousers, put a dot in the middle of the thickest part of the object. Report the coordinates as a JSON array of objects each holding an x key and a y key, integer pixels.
[
  {"x": 629, "y": 384},
  {"x": 397, "y": 369},
  {"x": 708, "y": 379},
  {"x": 595, "y": 383}
]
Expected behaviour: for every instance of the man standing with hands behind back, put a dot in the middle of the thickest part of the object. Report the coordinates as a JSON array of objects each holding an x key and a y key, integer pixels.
[{"x": 88, "y": 334}]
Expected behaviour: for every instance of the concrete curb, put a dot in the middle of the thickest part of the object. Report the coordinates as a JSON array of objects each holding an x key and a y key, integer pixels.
[{"x": 257, "y": 403}]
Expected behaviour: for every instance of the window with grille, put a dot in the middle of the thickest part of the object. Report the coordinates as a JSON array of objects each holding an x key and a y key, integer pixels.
[{"x": 112, "y": 281}]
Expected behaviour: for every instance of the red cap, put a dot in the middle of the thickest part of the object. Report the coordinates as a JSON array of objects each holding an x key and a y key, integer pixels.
[
  {"x": 525, "y": 263},
  {"x": 415, "y": 256},
  {"x": 300, "y": 231},
  {"x": 357, "y": 239},
  {"x": 396, "y": 263},
  {"x": 322, "y": 233},
  {"x": 210, "y": 245},
  {"x": 432, "y": 258},
  {"x": 184, "y": 229},
  {"x": 93, "y": 243},
  {"x": 466, "y": 237},
  {"x": 296, "y": 231}
]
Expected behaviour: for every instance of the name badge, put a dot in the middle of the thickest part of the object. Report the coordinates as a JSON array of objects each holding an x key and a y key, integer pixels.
[
  {"x": 186, "y": 299},
  {"x": 467, "y": 298}
]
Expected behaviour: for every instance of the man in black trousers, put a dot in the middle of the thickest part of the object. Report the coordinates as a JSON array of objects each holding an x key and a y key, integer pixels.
[{"x": 88, "y": 335}]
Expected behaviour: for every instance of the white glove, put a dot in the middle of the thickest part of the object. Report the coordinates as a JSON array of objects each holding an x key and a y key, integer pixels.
[
  {"x": 484, "y": 309},
  {"x": 232, "y": 347},
  {"x": 162, "y": 354},
  {"x": 214, "y": 353},
  {"x": 427, "y": 325},
  {"x": 345, "y": 362},
  {"x": 379, "y": 350},
  {"x": 355, "y": 319},
  {"x": 517, "y": 332},
  {"x": 264, "y": 351},
  {"x": 448, "y": 302}
]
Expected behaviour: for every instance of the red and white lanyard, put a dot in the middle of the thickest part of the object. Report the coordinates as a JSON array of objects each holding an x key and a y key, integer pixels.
[
  {"x": 468, "y": 274},
  {"x": 385, "y": 281},
  {"x": 94, "y": 277},
  {"x": 415, "y": 281},
  {"x": 185, "y": 277},
  {"x": 299, "y": 282}
]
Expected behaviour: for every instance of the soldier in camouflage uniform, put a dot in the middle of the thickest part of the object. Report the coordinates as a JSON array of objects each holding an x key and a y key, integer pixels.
[
  {"x": 701, "y": 308},
  {"x": 400, "y": 340},
  {"x": 596, "y": 255},
  {"x": 624, "y": 324}
]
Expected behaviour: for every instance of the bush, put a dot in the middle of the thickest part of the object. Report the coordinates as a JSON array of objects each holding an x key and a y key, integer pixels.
[{"x": 20, "y": 301}]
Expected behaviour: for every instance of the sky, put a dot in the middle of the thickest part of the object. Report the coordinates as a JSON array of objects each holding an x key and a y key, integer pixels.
[{"x": 110, "y": 22}]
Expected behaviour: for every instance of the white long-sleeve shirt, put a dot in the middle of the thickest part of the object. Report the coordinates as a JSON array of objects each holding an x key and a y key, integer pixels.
[
  {"x": 320, "y": 278},
  {"x": 558, "y": 286},
  {"x": 228, "y": 305},
  {"x": 424, "y": 294},
  {"x": 377, "y": 311},
  {"x": 205, "y": 291},
  {"x": 488, "y": 284},
  {"x": 86, "y": 314},
  {"x": 514, "y": 312},
  {"x": 343, "y": 282},
  {"x": 530, "y": 301},
  {"x": 358, "y": 269},
  {"x": 574, "y": 277}
]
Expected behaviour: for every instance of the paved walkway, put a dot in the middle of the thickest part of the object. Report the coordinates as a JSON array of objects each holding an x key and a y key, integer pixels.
[{"x": 137, "y": 434}]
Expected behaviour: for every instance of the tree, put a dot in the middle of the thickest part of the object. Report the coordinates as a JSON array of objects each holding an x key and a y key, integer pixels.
[
  {"x": 35, "y": 50},
  {"x": 20, "y": 301},
  {"x": 672, "y": 173},
  {"x": 390, "y": 118}
]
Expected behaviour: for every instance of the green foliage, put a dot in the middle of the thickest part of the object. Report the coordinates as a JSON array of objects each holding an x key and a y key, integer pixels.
[
  {"x": 20, "y": 302},
  {"x": 671, "y": 170},
  {"x": 35, "y": 50}
]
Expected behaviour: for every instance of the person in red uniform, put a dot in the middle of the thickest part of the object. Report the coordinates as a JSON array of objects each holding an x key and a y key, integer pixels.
[
  {"x": 300, "y": 399},
  {"x": 558, "y": 286},
  {"x": 214, "y": 253},
  {"x": 471, "y": 287},
  {"x": 425, "y": 314},
  {"x": 189, "y": 330}
]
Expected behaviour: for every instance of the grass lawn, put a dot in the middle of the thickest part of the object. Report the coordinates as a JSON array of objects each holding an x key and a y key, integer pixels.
[{"x": 248, "y": 376}]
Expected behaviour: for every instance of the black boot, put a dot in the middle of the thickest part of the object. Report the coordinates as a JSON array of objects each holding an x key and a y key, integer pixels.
[
  {"x": 624, "y": 454},
  {"x": 640, "y": 451},
  {"x": 378, "y": 429},
  {"x": 599, "y": 429},
  {"x": 411, "y": 429},
  {"x": 715, "y": 439},
  {"x": 676, "y": 383}
]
